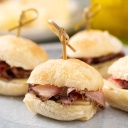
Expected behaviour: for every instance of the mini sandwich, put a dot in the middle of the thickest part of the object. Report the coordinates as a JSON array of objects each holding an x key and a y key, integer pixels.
[
  {"x": 18, "y": 57},
  {"x": 97, "y": 48},
  {"x": 116, "y": 87},
  {"x": 65, "y": 90}
]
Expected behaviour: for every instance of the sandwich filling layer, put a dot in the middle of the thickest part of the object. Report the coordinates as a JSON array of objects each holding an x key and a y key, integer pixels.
[
  {"x": 119, "y": 82},
  {"x": 97, "y": 60},
  {"x": 66, "y": 95},
  {"x": 9, "y": 73}
]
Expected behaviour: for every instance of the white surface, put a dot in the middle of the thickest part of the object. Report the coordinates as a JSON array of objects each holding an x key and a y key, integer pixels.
[{"x": 14, "y": 113}]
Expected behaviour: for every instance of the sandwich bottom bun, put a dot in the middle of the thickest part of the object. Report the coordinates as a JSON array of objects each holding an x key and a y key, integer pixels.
[
  {"x": 102, "y": 68},
  {"x": 57, "y": 111},
  {"x": 115, "y": 96},
  {"x": 16, "y": 87}
]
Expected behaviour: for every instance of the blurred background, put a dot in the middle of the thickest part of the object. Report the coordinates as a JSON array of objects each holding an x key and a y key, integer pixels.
[{"x": 66, "y": 13}]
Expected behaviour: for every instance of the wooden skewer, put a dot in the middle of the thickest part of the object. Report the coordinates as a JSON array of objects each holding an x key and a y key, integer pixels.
[
  {"x": 73, "y": 49},
  {"x": 54, "y": 27},
  {"x": 21, "y": 20},
  {"x": 88, "y": 15},
  {"x": 62, "y": 39},
  {"x": 63, "y": 36},
  {"x": 90, "y": 12}
]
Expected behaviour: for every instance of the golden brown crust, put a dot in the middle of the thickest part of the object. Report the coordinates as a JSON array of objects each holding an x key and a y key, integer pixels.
[
  {"x": 57, "y": 111},
  {"x": 21, "y": 52},
  {"x": 115, "y": 96},
  {"x": 70, "y": 73},
  {"x": 15, "y": 87},
  {"x": 119, "y": 69},
  {"x": 93, "y": 43}
]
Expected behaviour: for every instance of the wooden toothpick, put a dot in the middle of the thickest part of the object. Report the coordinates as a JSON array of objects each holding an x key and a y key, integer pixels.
[
  {"x": 63, "y": 36},
  {"x": 88, "y": 15},
  {"x": 90, "y": 12},
  {"x": 22, "y": 21}
]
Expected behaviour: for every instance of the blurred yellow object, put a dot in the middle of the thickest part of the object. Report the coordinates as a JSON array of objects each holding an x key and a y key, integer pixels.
[{"x": 113, "y": 17}]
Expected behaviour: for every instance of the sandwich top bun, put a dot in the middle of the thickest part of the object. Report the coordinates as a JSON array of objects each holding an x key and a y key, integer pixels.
[
  {"x": 93, "y": 43},
  {"x": 21, "y": 52},
  {"x": 119, "y": 69},
  {"x": 70, "y": 73}
]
